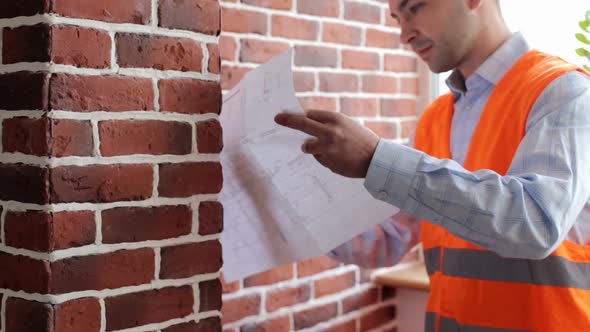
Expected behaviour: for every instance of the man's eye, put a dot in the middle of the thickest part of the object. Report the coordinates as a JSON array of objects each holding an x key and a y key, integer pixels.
[{"x": 415, "y": 8}]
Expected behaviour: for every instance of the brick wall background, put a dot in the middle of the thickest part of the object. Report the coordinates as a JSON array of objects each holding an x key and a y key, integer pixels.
[
  {"x": 348, "y": 58},
  {"x": 109, "y": 165}
]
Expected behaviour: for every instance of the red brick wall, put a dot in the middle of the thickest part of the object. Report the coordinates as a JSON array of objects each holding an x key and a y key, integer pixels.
[
  {"x": 109, "y": 165},
  {"x": 348, "y": 58}
]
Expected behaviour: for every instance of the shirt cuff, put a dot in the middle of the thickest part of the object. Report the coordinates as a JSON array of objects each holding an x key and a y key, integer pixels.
[{"x": 392, "y": 172}]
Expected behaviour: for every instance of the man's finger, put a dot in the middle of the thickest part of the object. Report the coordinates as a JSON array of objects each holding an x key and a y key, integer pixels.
[
  {"x": 323, "y": 116},
  {"x": 313, "y": 146},
  {"x": 302, "y": 123}
]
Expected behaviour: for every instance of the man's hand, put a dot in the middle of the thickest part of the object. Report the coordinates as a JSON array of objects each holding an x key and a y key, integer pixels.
[{"x": 339, "y": 143}]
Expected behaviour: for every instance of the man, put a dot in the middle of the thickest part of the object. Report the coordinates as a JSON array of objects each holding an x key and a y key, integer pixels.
[{"x": 499, "y": 177}]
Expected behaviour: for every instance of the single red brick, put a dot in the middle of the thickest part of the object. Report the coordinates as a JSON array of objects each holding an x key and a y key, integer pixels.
[
  {"x": 282, "y": 26},
  {"x": 29, "y": 230},
  {"x": 210, "y": 295},
  {"x": 24, "y": 183},
  {"x": 163, "y": 53},
  {"x": 360, "y": 60},
  {"x": 312, "y": 316},
  {"x": 189, "y": 179},
  {"x": 400, "y": 63},
  {"x": 287, "y": 296},
  {"x": 190, "y": 96},
  {"x": 128, "y": 11},
  {"x": 188, "y": 260},
  {"x": 274, "y": 4},
  {"x": 260, "y": 51},
  {"x": 303, "y": 81},
  {"x": 78, "y": 315},
  {"x": 22, "y": 273},
  {"x": 211, "y": 324},
  {"x": 270, "y": 277},
  {"x": 308, "y": 267},
  {"x": 319, "y": 103},
  {"x": 228, "y": 47},
  {"x": 386, "y": 130},
  {"x": 71, "y": 138},
  {"x": 209, "y": 136},
  {"x": 331, "y": 285},
  {"x": 144, "y": 137},
  {"x": 398, "y": 107},
  {"x": 123, "y": 268},
  {"x": 9, "y": 9},
  {"x": 24, "y": 91},
  {"x": 380, "y": 84},
  {"x": 24, "y": 315},
  {"x": 243, "y": 21},
  {"x": 337, "y": 82},
  {"x": 80, "y": 47},
  {"x": 214, "y": 65},
  {"x": 409, "y": 85},
  {"x": 240, "y": 307},
  {"x": 342, "y": 34},
  {"x": 26, "y": 135},
  {"x": 316, "y": 56},
  {"x": 381, "y": 39},
  {"x": 377, "y": 318},
  {"x": 278, "y": 324},
  {"x": 231, "y": 76},
  {"x": 367, "y": 107},
  {"x": 360, "y": 300},
  {"x": 152, "y": 306},
  {"x": 347, "y": 326},
  {"x": 196, "y": 15},
  {"x": 362, "y": 12},
  {"x": 27, "y": 44},
  {"x": 101, "y": 183},
  {"x": 210, "y": 218},
  {"x": 101, "y": 93},
  {"x": 73, "y": 229},
  {"x": 330, "y": 8},
  {"x": 134, "y": 224}
]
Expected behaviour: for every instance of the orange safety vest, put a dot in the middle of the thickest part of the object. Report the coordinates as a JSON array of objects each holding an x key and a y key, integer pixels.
[{"x": 473, "y": 289}]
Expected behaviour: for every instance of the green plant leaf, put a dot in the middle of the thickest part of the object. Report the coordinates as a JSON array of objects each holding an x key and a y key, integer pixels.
[
  {"x": 581, "y": 37},
  {"x": 587, "y": 68},
  {"x": 583, "y": 53},
  {"x": 584, "y": 25}
]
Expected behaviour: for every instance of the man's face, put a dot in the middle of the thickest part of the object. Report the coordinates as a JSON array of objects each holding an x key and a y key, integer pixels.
[{"x": 439, "y": 31}]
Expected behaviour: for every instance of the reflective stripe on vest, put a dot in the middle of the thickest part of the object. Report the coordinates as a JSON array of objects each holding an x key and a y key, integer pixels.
[
  {"x": 486, "y": 265},
  {"x": 451, "y": 325}
]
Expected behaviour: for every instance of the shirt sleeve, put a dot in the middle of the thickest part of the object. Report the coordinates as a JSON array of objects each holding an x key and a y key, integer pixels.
[
  {"x": 381, "y": 246},
  {"x": 384, "y": 245},
  {"x": 525, "y": 214}
]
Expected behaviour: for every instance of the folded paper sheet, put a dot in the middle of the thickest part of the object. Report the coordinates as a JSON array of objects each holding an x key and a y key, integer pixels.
[{"x": 280, "y": 205}]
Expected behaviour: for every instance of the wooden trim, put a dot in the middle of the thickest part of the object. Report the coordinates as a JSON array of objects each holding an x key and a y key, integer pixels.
[{"x": 413, "y": 276}]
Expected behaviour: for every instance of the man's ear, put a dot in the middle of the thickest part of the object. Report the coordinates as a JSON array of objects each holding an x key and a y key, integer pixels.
[{"x": 474, "y": 4}]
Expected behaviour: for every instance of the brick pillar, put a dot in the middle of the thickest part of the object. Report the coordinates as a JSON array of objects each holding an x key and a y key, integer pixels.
[{"x": 109, "y": 166}]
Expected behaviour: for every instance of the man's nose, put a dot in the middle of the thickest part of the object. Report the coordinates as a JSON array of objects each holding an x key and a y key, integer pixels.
[{"x": 408, "y": 33}]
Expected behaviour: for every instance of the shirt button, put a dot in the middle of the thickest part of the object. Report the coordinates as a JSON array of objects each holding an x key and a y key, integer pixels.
[
  {"x": 469, "y": 106},
  {"x": 383, "y": 195}
]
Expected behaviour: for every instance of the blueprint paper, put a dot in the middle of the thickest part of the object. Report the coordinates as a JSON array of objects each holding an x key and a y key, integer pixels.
[{"x": 280, "y": 205}]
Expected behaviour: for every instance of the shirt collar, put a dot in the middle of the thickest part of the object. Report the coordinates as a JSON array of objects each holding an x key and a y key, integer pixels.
[{"x": 494, "y": 68}]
